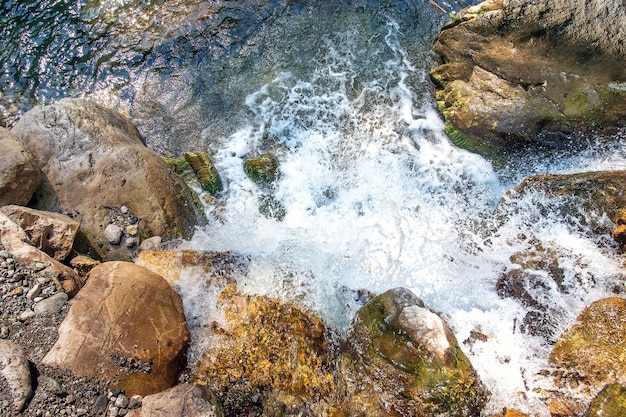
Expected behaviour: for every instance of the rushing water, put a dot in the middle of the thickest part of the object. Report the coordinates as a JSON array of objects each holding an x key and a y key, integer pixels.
[{"x": 375, "y": 195}]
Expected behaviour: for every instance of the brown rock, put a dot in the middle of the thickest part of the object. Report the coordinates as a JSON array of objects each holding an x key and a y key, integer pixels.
[
  {"x": 510, "y": 412},
  {"x": 19, "y": 176},
  {"x": 83, "y": 265},
  {"x": 123, "y": 314},
  {"x": 19, "y": 245},
  {"x": 517, "y": 71},
  {"x": 50, "y": 232},
  {"x": 95, "y": 162}
]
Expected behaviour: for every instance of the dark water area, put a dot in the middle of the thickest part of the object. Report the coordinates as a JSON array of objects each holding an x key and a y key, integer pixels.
[{"x": 180, "y": 67}]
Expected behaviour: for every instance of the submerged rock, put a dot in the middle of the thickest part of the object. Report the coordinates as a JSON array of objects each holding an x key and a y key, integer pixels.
[
  {"x": 402, "y": 359},
  {"x": 94, "y": 161},
  {"x": 267, "y": 356},
  {"x": 263, "y": 169},
  {"x": 610, "y": 402},
  {"x": 593, "y": 351},
  {"x": 583, "y": 200},
  {"x": 516, "y": 71},
  {"x": 126, "y": 327},
  {"x": 19, "y": 175},
  {"x": 174, "y": 264}
]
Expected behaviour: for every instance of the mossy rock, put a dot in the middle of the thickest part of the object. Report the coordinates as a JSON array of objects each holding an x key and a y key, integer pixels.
[
  {"x": 263, "y": 170},
  {"x": 593, "y": 350},
  {"x": 610, "y": 402},
  {"x": 269, "y": 355},
  {"x": 206, "y": 172},
  {"x": 403, "y": 357}
]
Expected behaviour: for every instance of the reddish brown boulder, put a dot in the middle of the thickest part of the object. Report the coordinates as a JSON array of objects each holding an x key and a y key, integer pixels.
[{"x": 126, "y": 326}]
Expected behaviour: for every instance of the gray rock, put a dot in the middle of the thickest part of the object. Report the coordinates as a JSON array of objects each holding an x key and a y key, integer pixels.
[
  {"x": 185, "y": 400},
  {"x": 51, "y": 305},
  {"x": 152, "y": 243},
  {"x": 26, "y": 315},
  {"x": 15, "y": 369},
  {"x": 113, "y": 234}
]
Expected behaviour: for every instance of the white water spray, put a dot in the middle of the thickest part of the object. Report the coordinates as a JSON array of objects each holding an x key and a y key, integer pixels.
[{"x": 376, "y": 197}]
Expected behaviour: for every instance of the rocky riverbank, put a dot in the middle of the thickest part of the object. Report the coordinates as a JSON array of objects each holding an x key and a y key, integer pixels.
[{"x": 92, "y": 324}]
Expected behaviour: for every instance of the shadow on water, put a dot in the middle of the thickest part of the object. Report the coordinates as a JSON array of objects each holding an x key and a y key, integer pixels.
[{"x": 181, "y": 66}]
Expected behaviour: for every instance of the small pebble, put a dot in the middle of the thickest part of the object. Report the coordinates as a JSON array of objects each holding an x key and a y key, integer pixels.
[
  {"x": 34, "y": 292},
  {"x": 113, "y": 234},
  {"x": 4, "y": 332},
  {"x": 121, "y": 401},
  {"x": 124, "y": 210},
  {"x": 39, "y": 266},
  {"x": 26, "y": 315},
  {"x": 4, "y": 254}
]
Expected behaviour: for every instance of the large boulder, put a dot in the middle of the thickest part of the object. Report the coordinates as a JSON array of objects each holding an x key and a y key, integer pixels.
[
  {"x": 514, "y": 71},
  {"x": 125, "y": 327},
  {"x": 19, "y": 176},
  {"x": 95, "y": 164},
  {"x": 50, "y": 232},
  {"x": 402, "y": 359},
  {"x": 16, "y": 241}
]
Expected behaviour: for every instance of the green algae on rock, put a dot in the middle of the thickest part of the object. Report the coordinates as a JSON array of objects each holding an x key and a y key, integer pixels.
[
  {"x": 610, "y": 402},
  {"x": 593, "y": 350},
  {"x": 402, "y": 359},
  {"x": 263, "y": 170},
  {"x": 206, "y": 172}
]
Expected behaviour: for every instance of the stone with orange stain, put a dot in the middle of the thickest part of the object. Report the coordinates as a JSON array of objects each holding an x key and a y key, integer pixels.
[{"x": 124, "y": 314}]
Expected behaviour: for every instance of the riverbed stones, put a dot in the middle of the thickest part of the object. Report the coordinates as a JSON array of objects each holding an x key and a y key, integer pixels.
[
  {"x": 514, "y": 72},
  {"x": 52, "y": 233},
  {"x": 126, "y": 327},
  {"x": 402, "y": 359},
  {"x": 94, "y": 159},
  {"x": 19, "y": 175},
  {"x": 15, "y": 370}
]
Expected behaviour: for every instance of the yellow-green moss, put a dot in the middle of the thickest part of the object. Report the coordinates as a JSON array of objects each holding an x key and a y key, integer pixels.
[
  {"x": 206, "y": 172},
  {"x": 263, "y": 170}
]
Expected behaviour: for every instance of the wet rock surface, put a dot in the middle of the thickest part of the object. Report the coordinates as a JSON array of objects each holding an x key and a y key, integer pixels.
[
  {"x": 506, "y": 77},
  {"x": 402, "y": 359}
]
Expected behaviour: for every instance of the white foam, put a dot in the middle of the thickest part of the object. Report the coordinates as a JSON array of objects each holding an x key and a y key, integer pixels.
[{"x": 377, "y": 197}]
